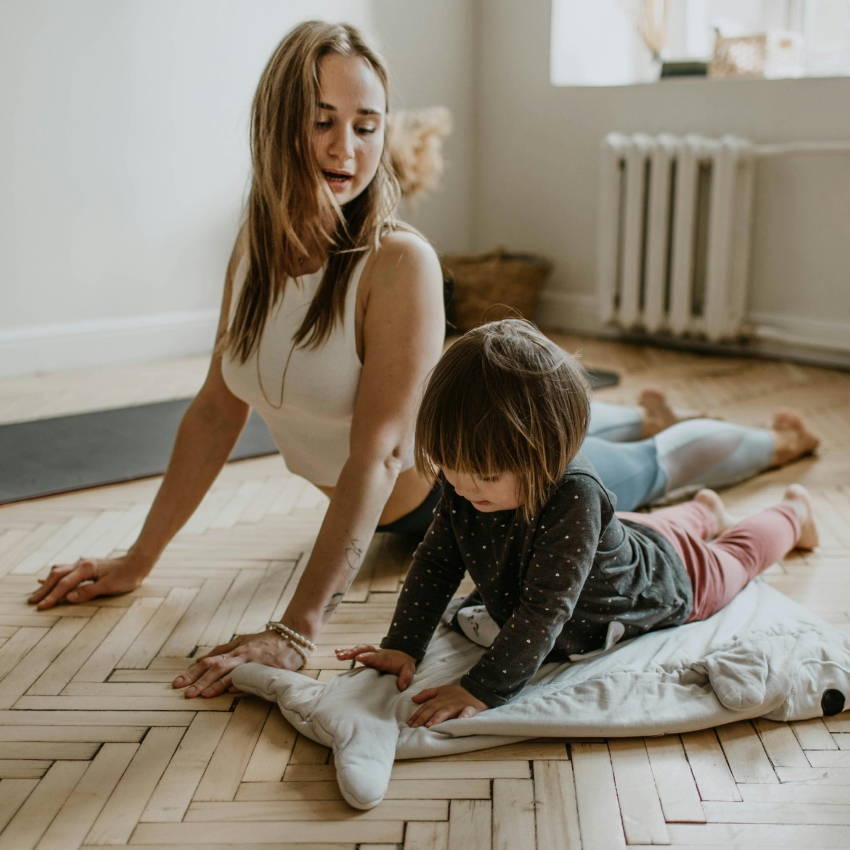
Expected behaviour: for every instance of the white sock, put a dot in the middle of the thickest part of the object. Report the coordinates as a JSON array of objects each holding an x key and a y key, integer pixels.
[{"x": 478, "y": 625}]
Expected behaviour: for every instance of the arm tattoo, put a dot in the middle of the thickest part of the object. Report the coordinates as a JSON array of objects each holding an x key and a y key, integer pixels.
[
  {"x": 335, "y": 600},
  {"x": 353, "y": 554}
]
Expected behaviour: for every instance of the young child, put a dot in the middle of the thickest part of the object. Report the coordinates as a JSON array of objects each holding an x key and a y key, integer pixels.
[{"x": 502, "y": 419}]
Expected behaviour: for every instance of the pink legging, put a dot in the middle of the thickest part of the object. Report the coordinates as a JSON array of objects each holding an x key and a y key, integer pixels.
[{"x": 721, "y": 568}]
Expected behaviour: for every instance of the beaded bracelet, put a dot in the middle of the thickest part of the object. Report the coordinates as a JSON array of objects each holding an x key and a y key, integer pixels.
[
  {"x": 299, "y": 650},
  {"x": 291, "y": 635}
]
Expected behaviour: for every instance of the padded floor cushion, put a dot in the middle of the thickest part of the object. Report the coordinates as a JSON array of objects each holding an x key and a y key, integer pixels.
[{"x": 763, "y": 655}]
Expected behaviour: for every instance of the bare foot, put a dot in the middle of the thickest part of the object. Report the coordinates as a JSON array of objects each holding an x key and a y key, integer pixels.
[
  {"x": 792, "y": 438},
  {"x": 800, "y": 499},
  {"x": 722, "y": 518},
  {"x": 658, "y": 415}
]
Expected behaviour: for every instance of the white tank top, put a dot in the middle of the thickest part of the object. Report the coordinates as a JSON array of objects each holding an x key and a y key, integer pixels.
[{"x": 309, "y": 412}]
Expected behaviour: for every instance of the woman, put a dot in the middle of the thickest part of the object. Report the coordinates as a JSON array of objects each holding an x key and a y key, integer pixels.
[{"x": 331, "y": 319}]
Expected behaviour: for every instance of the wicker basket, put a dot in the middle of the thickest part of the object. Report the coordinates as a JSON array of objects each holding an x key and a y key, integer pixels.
[
  {"x": 741, "y": 56},
  {"x": 492, "y": 286}
]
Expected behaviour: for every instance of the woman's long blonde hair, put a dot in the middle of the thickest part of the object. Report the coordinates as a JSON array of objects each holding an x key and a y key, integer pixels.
[{"x": 291, "y": 211}]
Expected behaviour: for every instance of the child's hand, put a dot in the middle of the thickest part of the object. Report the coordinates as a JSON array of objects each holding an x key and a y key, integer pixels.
[
  {"x": 443, "y": 704},
  {"x": 386, "y": 660}
]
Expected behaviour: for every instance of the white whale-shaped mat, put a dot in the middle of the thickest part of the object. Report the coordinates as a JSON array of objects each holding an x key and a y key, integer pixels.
[{"x": 762, "y": 655}]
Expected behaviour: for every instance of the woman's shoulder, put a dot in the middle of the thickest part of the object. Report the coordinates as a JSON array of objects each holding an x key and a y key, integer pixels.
[
  {"x": 406, "y": 245},
  {"x": 403, "y": 255}
]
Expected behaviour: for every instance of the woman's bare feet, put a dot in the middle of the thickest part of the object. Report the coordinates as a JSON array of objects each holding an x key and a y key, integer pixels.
[
  {"x": 658, "y": 415},
  {"x": 793, "y": 439},
  {"x": 722, "y": 518},
  {"x": 800, "y": 499}
]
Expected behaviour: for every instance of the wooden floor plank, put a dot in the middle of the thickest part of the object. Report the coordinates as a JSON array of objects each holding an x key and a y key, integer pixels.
[
  {"x": 828, "y": 758},
  {"x": 102, "y": 661},
  {"x": 307, "y": 751},
  {"x": 796, "y": 792},
  {"x": 176, "y": 787},
  {"x": 41, "y": 806},
  {"x": 99, "y": 717},
  {"x": 745, "y": 753},
  {"x": 513, "y": 814},
  {"x": 813, "y": 735},
  {"x": 262, "y": 605},
  {"x": 18, "y": 646},
  {"x": 708, "y": 764},
  {"x": 780, "y": 743},
  {"x": 272, "y": 751},
  {"x": 640, "y": 807},
  {"x": 556, "y": 812},
  {"x": 761, "y": 835},
  {"x": 74, "y": 734},
  {"x": 318, "y": 810},
  {"x": 470, "y": 825},
  {"x": 145, "y": 647},
  {"x": 421, "y": 770},
  {"x": 118, "y": 818},
  {"x": 398, "y": 789},
  {"x": 50, "y": 751},
  {"x": 67, "y": 664},
  {"x": 91, "y": 793},
  {"x": 128, "y": 704},
  {"x": 815, "y": 775},
  {"x": 13, "y": 794},
  {"x": 185, "y": 636},
  {"x": 355, "y": 830},
  {"x": 425, "y": 836},
  {"x": 222, "y": 625},
  {"x": 596, "y": 797},
  {"x": 224, "y": 772},
  {"x": 37, "y": 660},
  {"x": 674, "y": 781}
]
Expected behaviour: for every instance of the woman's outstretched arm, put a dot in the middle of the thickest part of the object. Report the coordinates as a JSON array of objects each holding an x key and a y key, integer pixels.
[
  {"x": 206, "y": 437},
  {"x": 402, "y": 339}
]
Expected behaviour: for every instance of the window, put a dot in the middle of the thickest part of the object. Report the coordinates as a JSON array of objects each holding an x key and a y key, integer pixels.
[{"x": 619, "y": 42}]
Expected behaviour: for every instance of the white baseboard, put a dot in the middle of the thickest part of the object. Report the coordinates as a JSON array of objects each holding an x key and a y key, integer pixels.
[
  {"x": 799, "y": 331},
  {"x": 106, "y": 342},
  {"x": 781, "y": 335}
]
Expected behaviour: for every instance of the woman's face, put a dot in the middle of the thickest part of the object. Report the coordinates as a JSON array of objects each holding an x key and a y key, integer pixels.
[{"x": 349, "y": 135}]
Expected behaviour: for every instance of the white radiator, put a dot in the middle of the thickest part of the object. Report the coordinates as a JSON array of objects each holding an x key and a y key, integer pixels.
[{"x": 674, "y": 233}]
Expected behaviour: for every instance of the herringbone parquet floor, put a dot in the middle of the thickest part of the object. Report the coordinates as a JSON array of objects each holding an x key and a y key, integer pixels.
[{"x": 96, "y": 749}]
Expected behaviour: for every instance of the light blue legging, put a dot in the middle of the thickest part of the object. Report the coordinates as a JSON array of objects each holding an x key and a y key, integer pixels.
[{"x": 702, "y": 452}]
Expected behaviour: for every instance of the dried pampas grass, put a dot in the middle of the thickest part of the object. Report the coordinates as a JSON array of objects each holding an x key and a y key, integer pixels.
[{"x": 416, "y": 147}]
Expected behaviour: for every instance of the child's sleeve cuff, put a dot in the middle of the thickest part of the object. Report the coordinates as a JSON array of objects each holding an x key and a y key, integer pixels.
[
  {"x": 479, "y": 692},
  {"x": 412, "y": 649}
]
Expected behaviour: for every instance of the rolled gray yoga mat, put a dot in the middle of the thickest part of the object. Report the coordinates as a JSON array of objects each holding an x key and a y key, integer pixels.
[{"x": 48, "y": 456}]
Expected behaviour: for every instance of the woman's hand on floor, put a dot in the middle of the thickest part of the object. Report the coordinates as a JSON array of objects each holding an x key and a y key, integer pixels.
[
  {"x": 444, "y": 703},
  {"x": 211, "y": 675},
  {"x": 86, "y": 579},
  {"x": 386, "y": 660}
]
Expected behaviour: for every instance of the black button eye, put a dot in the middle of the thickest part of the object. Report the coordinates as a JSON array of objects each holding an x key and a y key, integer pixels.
[{"x": 832, "y": 702}]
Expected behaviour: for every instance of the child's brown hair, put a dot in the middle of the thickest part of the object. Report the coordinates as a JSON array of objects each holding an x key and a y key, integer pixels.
[{"x": 505, "y": 399}]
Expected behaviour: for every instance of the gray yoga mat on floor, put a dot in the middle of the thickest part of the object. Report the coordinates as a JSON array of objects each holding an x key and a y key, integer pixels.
[{"x": 48, "y": 456}]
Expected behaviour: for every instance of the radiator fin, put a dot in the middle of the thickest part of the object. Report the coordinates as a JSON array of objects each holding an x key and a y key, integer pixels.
[{"x": 674, "y": 233}]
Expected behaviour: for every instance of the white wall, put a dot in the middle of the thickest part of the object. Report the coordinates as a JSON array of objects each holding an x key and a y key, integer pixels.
[
  {"x": 428, "y": 45},
  {"x": 124, "y": 159},
  {"x": 536, "y": 181}
]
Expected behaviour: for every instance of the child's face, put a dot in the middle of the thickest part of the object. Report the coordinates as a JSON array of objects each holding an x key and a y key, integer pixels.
[{"x": 496, "y": 493}]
